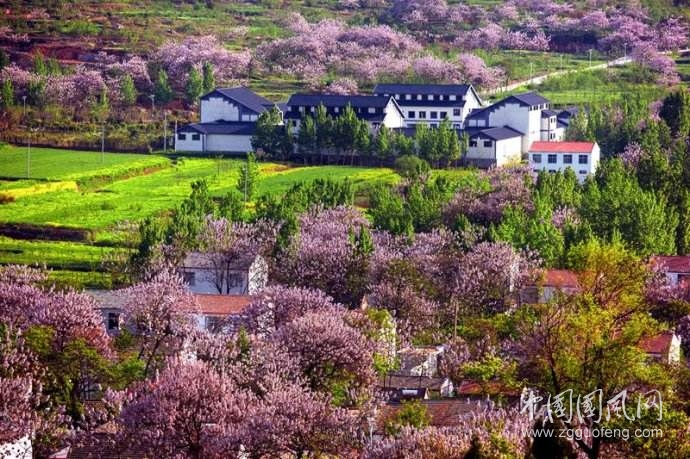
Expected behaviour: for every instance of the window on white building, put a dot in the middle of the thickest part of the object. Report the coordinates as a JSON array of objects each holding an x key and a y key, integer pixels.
[
  {"x": 583, "y": 172},
  {"x": 567, "y": 159},
  {"x": 536, "y": 158},
  {"x": 582, "y": 159},
  {"x": 456, "y": 112},
  {"x": 196, "y": 136},
  {"x": 410, "y": 114},
  {"x": 181, "y": 136},
  {"x": 113, "y": 321},
  {"x": 408, "y": 97},
  {"x": 371, "y": 110},
  {"x": 444, "y": 115},
  {"x": 419, "y": 97},
  {"x": 433, "y": 115},
  {"x": 473, "y": 142},
  {"x": 452, "y": 97},
  {"x": 430, "y": 97},
  {"x": 422, "y": 115},
  {"x": 488, "y": 143},
  {"x": 552, "y": 159},
  {"x": 189, "y": 278}
]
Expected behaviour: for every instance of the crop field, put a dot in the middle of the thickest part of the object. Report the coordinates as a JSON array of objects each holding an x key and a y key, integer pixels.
[{"x": 74, "y": 190}]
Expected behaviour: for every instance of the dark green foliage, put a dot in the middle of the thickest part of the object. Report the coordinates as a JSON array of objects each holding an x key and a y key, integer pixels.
[
  {"x": 162, "y": 89},
  {"x": 412, "y": 167},
  {"x": 675, "y": 111},
  {"x": 188, "y": 219},
  {"x": 128, "y": 90},
  {"x": 412, "y": 414},
  {"x": 249, "y": 176},
  {"x": 231, "y": 206},
  {"x": 272, "y": 137},
  {"x": 194, "y": 87},
  {"x": 151, "y": 234},
  {"x": 7, "y": 93},
  {"x": 209, "y": 81},
  {"x": 4, "y": 59}
]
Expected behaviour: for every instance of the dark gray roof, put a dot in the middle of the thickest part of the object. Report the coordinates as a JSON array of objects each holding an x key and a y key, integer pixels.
[
  {"x": 221, "y": 127},
  {"x": 498, "y": 133},
  {"x": 425, "y": 89},
  {"x": 568, "y": 112},
  {"x": 244, "y": 97},
  {"x": 528, "y": 98},
  {"x": 548, "y": 113},
  {"x": 331, "y": 100}
]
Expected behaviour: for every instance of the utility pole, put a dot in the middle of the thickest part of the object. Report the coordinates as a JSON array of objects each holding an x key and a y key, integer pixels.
[
  {"x": 24, "y": 99},
  {"x": 28, "y": 157},
  {"x": 175, "y": 136},
  {"x": 165, "y": 131},
  {"x": 103, "y": 144},
  {"x": 153, "y": 107},
  {"x": 531, "y": 70}
]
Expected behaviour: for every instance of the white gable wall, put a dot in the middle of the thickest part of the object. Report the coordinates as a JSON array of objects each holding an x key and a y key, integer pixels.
[
  {"x": 508, "y": 150},
  {"x": 393, "y": 118},
  {"x": 219, "y": 108}
]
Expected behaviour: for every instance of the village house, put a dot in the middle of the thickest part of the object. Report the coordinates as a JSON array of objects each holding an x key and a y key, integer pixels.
[
  {"x": 215, "y": 310},
  {"x": 404, "y": 386},
  {"x": 527, "y": 113},
  {"x": 432, "y": 103},
  {"x": 548, "y": 285},
  {"x": 664, "y": 347},
  {"x": 490, "y": 147},
  {"x": 420, "y": 360},
  {"x": 582, "y": 157},
  {"x": 676, "y": 268},
  {"x": 228, "y": 122},
  {"x": 375, "y": 110},
  {"x": 210, "y": 274}
]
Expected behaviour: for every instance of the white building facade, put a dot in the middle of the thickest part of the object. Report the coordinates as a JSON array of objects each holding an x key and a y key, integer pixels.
[
  {"x": 228, "y": 122},
  {"x": 582, "y": 157},
  {"x": 432, "y": 103},
  {"x": 494, "y": 147}
]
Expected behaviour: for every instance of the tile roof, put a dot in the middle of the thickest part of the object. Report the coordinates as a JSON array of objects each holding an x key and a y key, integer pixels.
[
  {"x": 200, "y": 260},
  {"x": 658, "y": 344},
  {"x": 442, "y": 413},
  {"x": 400, "y": 381},
  {"x": 498, "y": 133},
  {"x": 331, "y": 100},
  {"x": 221, "y": 127},
  {"x": 673, "y": 264},
  {"x": 468, "y": 387},
  {"x": 547, "y": 113},
  {"x": 425, "y": 89},
  {"x": 243, "y": 96},
  {"x": 561, "y": 147},
  {"x": 528, "y": 98},
  {"x": 559, "y": 278},
  {"x": 222, "y": 305}
]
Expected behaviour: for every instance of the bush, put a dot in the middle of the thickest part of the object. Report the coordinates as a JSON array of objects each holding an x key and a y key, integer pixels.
[{"x": 411, "y": 167}]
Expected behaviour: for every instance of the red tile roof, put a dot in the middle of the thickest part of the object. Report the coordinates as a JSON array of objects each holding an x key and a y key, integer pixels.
[
  {"x": 222, "y": 305},
  {"x": 468, "y": 387},
  {"x": 560, "y": 278},
  {"x": 658, "y": 344},
  {"x": 673, "y": 264},
  {"x": 561, "y": 147}
]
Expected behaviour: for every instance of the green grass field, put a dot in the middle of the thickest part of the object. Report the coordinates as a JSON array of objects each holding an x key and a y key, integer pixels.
[
  {"x": 137, "y": 186},
  {"x": 54, "y": 164}
]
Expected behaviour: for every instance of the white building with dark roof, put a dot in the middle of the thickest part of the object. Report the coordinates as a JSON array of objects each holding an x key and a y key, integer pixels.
[
  {"x": 228, "y": 122},
  {"x": 375, "y": 110},
  {"x": 432, "y": 103},
  {"x": 528, "y": 113},
  {"x": 496, "y": 146}
]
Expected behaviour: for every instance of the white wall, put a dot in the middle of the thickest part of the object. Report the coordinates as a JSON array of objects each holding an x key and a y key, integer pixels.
[
  {"x": 508, "y": 150},
  {"x": 234, "y": 143},
  {"x": 188, "y": 144},
  {"x": 219, "y": 108},
  {"x": 480, "y": 151},
  {"x": 514, "y": 116},
  {"x": 393, "y": 118},
  {"x": 582, "y": 171},
  {"x": 203, "y": 282}
]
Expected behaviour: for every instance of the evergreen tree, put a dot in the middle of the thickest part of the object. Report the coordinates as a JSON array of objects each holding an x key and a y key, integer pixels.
[
  {"x": 7, "y": 93},
  {"x": 448, "y": 142},
  {"x": 272, "y": 136},
  {"x": 249, "y": 177},
  {"x": 4, "y": 59},
  {"x": 383, "y": 145},
  {"x": 325, "y": 127},
  {"x": 675, "y": 111},
  {"x": 194, "y": 87},
  {"x": 40, "y": 67},
  {"x": 209, "y": 80},
  {"x": 162, "y": 89},
  {"x": 128, "y": 90},
  {"x": 306, "y": 137},
  {"x": 100, "y": 108}
]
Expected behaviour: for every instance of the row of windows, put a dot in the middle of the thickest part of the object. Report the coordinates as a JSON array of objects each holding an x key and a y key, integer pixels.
[
  {"x": 538, "y": 107},
  {"x": 432, "y": 115},
  {"x": 302, "y": 109},
  {"x": 421, "y": 97},
  {"x": 553, "y": 159},
  {"x": 552, "y": 171},
  {"x": 182, "y": 136},
  {"x": 486, "y": 143}
]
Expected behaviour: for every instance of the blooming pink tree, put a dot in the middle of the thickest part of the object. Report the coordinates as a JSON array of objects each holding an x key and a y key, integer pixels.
[
  {"x": 277, "y": 305},
  {"x": 475, "y": 70},
  {"x": 160, "y": 311},
  {"x": 334, "y": 356},
  {"x": 434, "y": 70}
]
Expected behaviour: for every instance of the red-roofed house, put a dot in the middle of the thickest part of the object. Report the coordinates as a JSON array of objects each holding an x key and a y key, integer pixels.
[
  {"x": 677, "y": 268},
  {"x": 664, "y": 347},
  {"x": 548, "y": 284},
  {"x": 215, "y": 309},
  {"x": 582, "y": 157}
]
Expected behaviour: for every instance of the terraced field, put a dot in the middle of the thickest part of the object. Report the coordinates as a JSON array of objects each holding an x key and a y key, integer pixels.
[{"x": 68, "y": 215}]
